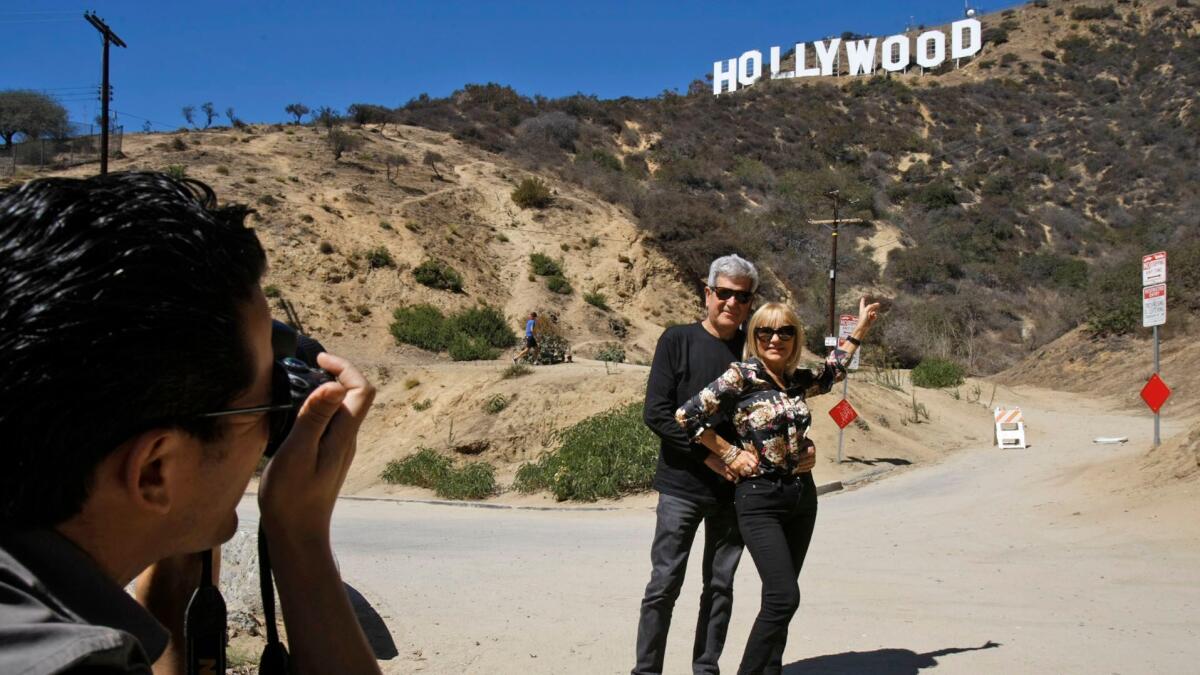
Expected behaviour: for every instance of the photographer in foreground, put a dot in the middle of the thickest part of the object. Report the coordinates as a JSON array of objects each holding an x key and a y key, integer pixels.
[{"x": 131, "y": 312}]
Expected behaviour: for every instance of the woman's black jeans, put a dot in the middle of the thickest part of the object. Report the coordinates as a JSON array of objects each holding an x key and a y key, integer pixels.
[{"x": 776, "y": 517}]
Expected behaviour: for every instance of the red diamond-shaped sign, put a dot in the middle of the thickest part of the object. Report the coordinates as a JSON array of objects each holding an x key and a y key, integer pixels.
[
  {"x": 1155, "y": 393},
  {"x": 843, "y": 414}
]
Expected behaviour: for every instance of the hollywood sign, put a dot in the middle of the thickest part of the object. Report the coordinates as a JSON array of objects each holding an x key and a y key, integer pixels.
[{"x": 929, "y": 48}]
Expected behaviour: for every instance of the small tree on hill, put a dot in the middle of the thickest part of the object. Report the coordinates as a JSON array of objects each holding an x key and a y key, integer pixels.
[
  {"x": 296, "y": 110},
  {"x": 341, "y": 142},
  {"x": 29, "y": 113},
  {"x": 189, "y": 114},
  {"x": 209, "y": 113},
  {"x": 327, "y": 117},
  {"x": 392, "y": 162},
  {"x": 431, "y": 160}
]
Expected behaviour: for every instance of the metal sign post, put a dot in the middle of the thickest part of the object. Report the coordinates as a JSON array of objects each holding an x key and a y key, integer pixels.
[
  {"x": 1154, "y": 310},
  {"x": 846, "y": 325}
]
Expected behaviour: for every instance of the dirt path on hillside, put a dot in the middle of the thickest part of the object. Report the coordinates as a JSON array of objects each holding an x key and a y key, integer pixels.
[{"x": 987, "y": 562}]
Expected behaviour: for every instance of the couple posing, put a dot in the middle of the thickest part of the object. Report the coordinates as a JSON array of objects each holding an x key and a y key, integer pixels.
[{"x": 730, "y": 409}]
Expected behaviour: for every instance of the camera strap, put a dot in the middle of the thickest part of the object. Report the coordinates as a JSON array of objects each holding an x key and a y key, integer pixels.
[
  {"x": 204, "y": 625},
  {"x": 274, "y": 659}
]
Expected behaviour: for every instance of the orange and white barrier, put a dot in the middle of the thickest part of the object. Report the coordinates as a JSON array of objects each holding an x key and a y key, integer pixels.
[{"x": 1010, "y": 428}]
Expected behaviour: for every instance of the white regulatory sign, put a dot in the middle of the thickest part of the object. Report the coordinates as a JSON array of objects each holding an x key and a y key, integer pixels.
[
  {"x": 1154, "y": 268},
  {"x": 846, "y": 325},
  {"x": 1154, "y": 305}
]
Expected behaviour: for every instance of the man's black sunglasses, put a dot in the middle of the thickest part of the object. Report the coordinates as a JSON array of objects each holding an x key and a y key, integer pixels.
[
  {"x": 727, "y": 293},
  {"x": 785, "y": 333}
]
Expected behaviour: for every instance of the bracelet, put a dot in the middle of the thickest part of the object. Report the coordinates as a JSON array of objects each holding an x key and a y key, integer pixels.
[
  {"x": 730, "y": 455},
  {"x": 853, "y": 340}
]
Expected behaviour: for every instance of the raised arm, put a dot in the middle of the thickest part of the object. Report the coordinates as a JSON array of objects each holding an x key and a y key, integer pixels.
[{"x": 833, "y": 370}]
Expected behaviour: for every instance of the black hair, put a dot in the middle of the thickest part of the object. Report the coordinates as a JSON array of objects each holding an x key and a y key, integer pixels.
[{"x": 122, "y": 311}]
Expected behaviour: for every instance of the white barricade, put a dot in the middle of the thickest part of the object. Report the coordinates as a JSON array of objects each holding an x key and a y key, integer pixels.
[{"x": 1010, "y": 428}]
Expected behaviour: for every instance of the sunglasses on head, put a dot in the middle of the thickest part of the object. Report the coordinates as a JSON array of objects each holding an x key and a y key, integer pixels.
[
  {"x": 785, "y": 333},
  {"x": 727, "y": 293}
]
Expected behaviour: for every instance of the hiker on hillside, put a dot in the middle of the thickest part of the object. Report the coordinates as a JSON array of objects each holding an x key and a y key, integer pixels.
[
  {"x": 694, "y": 485},
  {"x": 532, "y": 331},
  {"x": 765, "y": 397},
  {"x": 136, "y": 401}
]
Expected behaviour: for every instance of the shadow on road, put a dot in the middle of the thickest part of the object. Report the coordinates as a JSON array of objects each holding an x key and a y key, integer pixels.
[
  {"x": 895, "y": 461},
  {"x": 878, "y": 662},
  {"x": 373, "y": 626}
]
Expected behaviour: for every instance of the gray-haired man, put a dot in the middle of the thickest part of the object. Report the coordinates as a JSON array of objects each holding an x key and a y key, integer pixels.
[{"x": 694, "y": 485}]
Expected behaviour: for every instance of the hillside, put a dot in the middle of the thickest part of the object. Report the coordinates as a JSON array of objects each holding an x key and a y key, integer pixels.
[{"x": 1002, "y": 203}]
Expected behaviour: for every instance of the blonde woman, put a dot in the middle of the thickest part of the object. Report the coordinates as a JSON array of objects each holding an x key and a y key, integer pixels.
[{"x": 775, "y": 498}]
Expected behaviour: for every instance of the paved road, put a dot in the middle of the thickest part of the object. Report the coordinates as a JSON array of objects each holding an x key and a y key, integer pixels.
[{"x": 989, "y": 562}]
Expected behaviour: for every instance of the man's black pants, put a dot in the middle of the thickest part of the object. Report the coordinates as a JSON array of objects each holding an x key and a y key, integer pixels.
[
  {"x": 678, "y": 520},
  {"x": 776, "y": 518}
]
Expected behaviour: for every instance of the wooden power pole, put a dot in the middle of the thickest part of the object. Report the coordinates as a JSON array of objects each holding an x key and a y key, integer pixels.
[{"x": 109, "y": 37}]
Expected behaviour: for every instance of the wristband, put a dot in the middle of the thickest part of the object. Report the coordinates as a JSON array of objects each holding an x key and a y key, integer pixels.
[
  {"x": 853, "y": 340},
  {"x": 730, "y": 455}
]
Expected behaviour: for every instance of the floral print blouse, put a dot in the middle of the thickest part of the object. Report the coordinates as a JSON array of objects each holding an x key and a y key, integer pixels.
[{"x": 770, "y": 422}]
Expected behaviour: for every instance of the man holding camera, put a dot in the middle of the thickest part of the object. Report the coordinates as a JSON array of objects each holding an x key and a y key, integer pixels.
[{"x": 131, "y": 313}]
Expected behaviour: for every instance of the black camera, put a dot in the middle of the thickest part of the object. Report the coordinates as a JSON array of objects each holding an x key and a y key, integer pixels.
[{"x": 295, "y": 377}]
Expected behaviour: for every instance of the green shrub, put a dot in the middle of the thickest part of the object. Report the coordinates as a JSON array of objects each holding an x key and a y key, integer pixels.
[
  {"x": 611, "y": 352},
  {"x": 223, "y": 170},
  {"x": 411, "y": 383},
  {"x": 325, "y": 247},
  {"x": 933, "y": 373},
  {"x": 424, "y": 469},
  {"x": 421, "y": 326},
  {"x": 1091, "y": 13},
  {"x": 475, "y": 480},
  {"x": 559, "y": 284},
  {"x": 936, "y": 196},
  {"x": 1112, "y": 304},
  {"x": 438, "y": 274},
  {"x": 543, "y": 265},
  {"x": 596, "y": 299},
  {"x": 485, "y": 322},
  {"x": 516, "y": 370},
  {"x": 532, "y": 193},
  {"x": 495, "y": 404},
  {"x": 176, "y": 171},
  {"x": 422, "y": 406},
  {"x": 380, "y": 257},
  {"x": 271, "y": 291},
  {"x": 470, "y": 348},
  {"x": 602, "y": 457}
]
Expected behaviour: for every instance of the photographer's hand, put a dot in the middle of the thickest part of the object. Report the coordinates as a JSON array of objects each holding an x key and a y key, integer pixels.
[{"x": 296, "y": 496}]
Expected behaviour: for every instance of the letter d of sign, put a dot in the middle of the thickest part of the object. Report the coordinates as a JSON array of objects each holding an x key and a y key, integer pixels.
[
  {"x": 931, "y": 58},
  {"x": 960, "y": 48},
  {"x": 753, "y": 60}
]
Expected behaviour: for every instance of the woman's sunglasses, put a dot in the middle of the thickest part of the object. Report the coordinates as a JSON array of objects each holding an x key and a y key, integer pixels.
[{"x": 785, "y": 333}]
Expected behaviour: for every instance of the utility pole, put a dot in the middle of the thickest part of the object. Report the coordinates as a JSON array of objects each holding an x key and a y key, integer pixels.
[
  {"x": 836, "y": 196},
  {"x": 105, "y": 91}
]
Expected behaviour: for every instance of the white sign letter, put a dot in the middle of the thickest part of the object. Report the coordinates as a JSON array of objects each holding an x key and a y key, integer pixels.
[
  {"x": 801, "y": 69},
  {"x": 775, "y": 60},
  {"x": 861, "y": 56},
  {"x": 958, "y": 49},
  {"x": 897, "y": 45},
  {"x": 751, "y": 58},
  {"x": 826, "y": 53},
  {"x": 721, "y": 77},
  {"x": 938, "y": 39}
]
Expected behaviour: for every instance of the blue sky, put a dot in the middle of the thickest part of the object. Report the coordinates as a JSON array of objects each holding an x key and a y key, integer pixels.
[{"x": 258, "y": 56}]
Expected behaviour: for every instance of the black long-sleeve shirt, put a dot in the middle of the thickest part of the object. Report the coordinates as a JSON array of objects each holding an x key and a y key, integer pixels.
[{"x": 687, "y": 359}]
